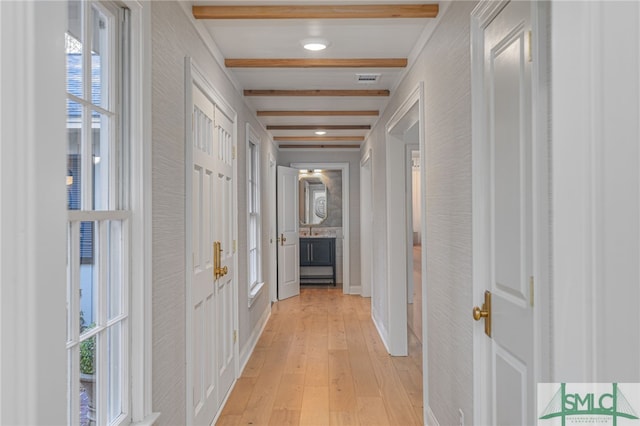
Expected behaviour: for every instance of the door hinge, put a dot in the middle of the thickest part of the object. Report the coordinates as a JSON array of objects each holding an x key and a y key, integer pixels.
[
  {"x": 531, "y": 293},
  {"x": 235, "y": 336},
  {"x": 530, "y": 42}
]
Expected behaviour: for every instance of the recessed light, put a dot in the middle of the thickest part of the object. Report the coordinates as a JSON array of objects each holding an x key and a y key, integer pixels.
[
  {"x": 320, "y": 132},
  {"x": 314, "y": 44}
]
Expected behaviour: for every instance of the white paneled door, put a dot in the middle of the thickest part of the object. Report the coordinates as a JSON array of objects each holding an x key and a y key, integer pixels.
[
  {"x": 507, "y": 237},
  {"x": 212, "y": 304},
  {"x": 223, "y": 234},
  {"x": 288, "y": 238}
]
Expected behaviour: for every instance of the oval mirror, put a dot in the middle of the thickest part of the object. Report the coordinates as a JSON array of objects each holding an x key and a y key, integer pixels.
[{"x": 313, "y": 200}]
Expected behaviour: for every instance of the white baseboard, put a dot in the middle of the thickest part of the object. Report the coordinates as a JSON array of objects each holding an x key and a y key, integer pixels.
[
  {"x": 355, "y": 289},
  {"x": 382, "y": 332},
  {"x": 248, "y": 348},
  {"x": 431, "y": 418}
]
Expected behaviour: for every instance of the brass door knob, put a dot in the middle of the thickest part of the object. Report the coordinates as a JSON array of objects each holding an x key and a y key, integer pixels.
[
  {"x": 484, "y": 312},
  {"x": 479, "y": 313}
]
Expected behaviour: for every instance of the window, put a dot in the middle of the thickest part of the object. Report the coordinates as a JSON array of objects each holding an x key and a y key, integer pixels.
[
  {"x": 254, "y": 222},
  {"x": 98, "y": 265}
]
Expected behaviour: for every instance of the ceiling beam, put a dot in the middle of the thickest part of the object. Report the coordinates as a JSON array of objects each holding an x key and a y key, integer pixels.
[
  {"x": 318, "y": 138},
  {"x": 317, "y": 113},
  {"x": 316, "y": 63},
  {"x": 322, "y": 127},
  {"x": 317, "y": 11},
  {"x": 294, "y": 146},
  {"x": 316, "y": 93}
]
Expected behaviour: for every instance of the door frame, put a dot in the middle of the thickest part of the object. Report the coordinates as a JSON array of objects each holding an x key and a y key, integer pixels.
[
  {"x": 481, "y": 17},
  {"x": 409, "y": 149},
  {"x": 273, "y": 228},
  {"x": 193, "y": 75},
  {"x": 366, "y": 227},
  {"x": 410, "y": 112},
  {"x": 346, "y": 267}
]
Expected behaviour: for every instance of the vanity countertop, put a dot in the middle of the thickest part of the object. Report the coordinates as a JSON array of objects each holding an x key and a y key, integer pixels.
[{"x": 305, "y": 232}]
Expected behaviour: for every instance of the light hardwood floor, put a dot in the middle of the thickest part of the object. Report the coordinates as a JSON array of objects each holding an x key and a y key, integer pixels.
[{"x": 321, "y": 362}]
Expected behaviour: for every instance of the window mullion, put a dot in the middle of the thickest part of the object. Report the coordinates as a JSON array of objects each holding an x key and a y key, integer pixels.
[
  {"x": 101, "y": 337},
  {"x": 86, "y": 161},
  {"x": 73, "y": 314}
]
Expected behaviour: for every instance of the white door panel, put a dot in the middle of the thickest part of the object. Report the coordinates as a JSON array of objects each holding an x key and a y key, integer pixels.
[
  {"x": 288, "y": 238},
  {"x": 212, "y": 303},
  {"x": 508, "y": 114},
  {"x": 203, "y": 290},
  {"x": 224, "y": 234}
]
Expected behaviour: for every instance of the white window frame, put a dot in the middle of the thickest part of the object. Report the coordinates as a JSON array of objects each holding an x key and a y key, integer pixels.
[
  {"x": 253, "y": 189},
  {"x": 137, "y": 382},
  {"x": 140, "y": 202}
]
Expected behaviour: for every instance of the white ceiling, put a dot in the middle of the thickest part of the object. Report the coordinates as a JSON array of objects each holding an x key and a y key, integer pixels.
[{"x": 348, "y": 38}]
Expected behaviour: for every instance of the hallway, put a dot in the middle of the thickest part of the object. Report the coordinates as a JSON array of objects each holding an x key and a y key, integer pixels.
[{"x": 320, "y": 361}]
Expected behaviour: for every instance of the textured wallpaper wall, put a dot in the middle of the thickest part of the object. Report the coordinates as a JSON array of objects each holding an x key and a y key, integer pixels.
[
  {"x": 173, "y": 39},
  {"x": 444, "y": 66}
]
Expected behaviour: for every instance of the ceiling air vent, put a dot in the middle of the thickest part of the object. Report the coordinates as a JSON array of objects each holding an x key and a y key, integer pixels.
[{"x": 367, "y": 78}]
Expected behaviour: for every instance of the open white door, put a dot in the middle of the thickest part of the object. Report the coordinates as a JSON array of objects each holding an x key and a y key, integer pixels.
[
  {"x": 288, "y": 238},
  {"x": 503, "y": 218}
]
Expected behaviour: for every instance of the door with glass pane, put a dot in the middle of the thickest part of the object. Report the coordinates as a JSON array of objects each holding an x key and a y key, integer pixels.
[{"x": 98, "y": 228}]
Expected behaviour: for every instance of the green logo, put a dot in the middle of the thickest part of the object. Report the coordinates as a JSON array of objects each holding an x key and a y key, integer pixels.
[{"x": 587, "y": 404}]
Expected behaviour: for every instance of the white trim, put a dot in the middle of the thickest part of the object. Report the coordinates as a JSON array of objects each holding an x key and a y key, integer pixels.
[
  {"x": 366, "y": 225},
  {"x": 408, "y": 179},
  {"x": 98, "y": 215},
  {"x": 251, "y": 137},
  {"x": 365, "y": 157},
  {"x": 431, "y": 418},
  {"x": 149, "y": 420},
  {"x": 382, "y": 332},
  {"x": 542, "y": 324},
  {"x": 252, "y": 341},
  {"x": 325, "y": 150},
  {"x": 33, "y": 358},
  {"x": 273, "y": 226},
  {"x": 346, "y": 233},
  {"x": 410, "y": 112},
  {"x": 141, "y": 320},
  {"x": 188, "y": 198}
]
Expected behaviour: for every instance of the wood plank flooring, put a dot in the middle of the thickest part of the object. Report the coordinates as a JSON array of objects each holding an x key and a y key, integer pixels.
[{"x": 321, "y": 362}]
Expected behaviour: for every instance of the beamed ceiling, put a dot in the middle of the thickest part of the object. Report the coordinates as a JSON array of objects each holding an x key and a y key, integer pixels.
[{"x": 296, "y": 92}]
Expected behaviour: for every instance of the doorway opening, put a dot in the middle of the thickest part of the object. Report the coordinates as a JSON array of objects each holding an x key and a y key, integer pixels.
[
  {"x": 414, "y": 240},
  {"x": 325, "y": 214}
]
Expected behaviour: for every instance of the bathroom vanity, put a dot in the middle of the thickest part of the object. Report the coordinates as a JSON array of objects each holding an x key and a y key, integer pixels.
[{"x": 318, "y": 252}]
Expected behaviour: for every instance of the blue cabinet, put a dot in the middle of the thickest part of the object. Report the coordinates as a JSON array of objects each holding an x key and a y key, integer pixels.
[{"x": 318, "y": 252}]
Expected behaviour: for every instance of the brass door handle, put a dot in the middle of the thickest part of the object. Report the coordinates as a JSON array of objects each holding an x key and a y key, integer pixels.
[
  {"x": 479, "y": 313},
  {"x": 217, "y": 270},
  {"x": 282, "y": 239},
  {"x": 484, "y": 312}
]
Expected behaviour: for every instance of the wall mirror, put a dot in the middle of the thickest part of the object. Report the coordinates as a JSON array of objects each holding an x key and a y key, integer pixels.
[{"x": 313, "y": 200}]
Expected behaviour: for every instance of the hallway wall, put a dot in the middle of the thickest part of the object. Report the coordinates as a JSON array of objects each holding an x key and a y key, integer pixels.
[
  {"x": 173, "y": 38},
  {"x": 444, "y": 66},
  {"x": 287, "y": 157}
]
